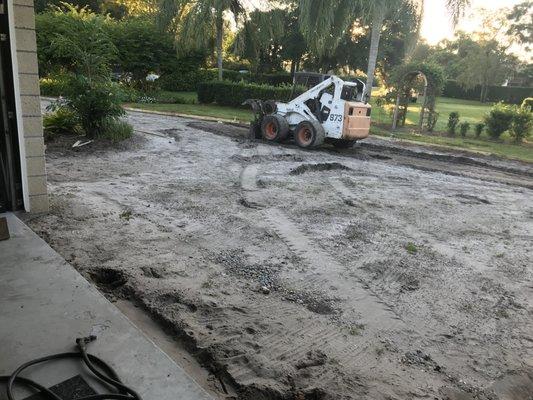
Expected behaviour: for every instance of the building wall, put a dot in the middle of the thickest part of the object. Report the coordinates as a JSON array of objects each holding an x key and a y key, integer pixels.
[{"x": 24, "y": 50}]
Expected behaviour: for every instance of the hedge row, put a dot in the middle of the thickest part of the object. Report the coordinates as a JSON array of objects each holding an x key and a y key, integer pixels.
[
  {"x": 233, "y": 94},
  {"x": 188, "y": 81},
  {"x": 507, "y": 94}
]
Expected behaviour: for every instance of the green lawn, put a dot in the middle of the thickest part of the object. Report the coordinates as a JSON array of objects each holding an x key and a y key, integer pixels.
[
  {"x": 504, "y": 148},
  {"x": 470, "y": 111}
]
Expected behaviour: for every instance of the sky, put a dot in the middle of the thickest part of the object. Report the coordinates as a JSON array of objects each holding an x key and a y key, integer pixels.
[{"x": 437, "y": 24}]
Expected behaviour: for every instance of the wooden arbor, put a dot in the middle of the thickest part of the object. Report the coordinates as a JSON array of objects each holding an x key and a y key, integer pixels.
[{"x": 427, "y": 109}]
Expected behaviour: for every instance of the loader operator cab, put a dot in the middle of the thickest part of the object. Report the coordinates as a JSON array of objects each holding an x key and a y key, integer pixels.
[{"x": 320, "y": 105}]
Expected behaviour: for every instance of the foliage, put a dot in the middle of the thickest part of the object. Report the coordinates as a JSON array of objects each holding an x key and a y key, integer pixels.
[
  {"x": 507, "y": 94},
  {"x": 74, "y": 40},
  {"x": 499, "y": 119},
  {"x": 521, "y": 18},
  {"x": 407, "y": 77},
  {"x": 226, "y": 93},
  {"x": 464, "y": 127},
  {"x": 116, "y": 130},
  {"x": 486, "y": 63},
  {"x": 434, "y": 74},
  {"x": 95, "y": 102},
  {"x": 174, "y": 98},
  {"x": 528, "y": 103},
  {"x": 54, "y": 86},
  {"x": 142, "y": 48},
  {"x": 453, "y": 121},
  {"x": 478, "y": 129},
  {"x": 433, "y": 118},
  {"x": 60, "y": 121},
  {"x": 267, "y": 38},
  {"x": 521, "y": 124},
  {"x": 199, "y": 23},
  {"x": 127, "y": 93}
]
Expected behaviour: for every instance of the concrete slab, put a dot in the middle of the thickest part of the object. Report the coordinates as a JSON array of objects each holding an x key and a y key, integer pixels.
[{"x": 45, "y": 304}]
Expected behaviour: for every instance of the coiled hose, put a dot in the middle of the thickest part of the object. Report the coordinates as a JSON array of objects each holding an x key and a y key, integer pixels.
[{"x": 97, "y": 366}]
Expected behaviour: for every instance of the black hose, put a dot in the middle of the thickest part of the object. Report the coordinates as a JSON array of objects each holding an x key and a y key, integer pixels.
[{"x": 96, "y": 365}]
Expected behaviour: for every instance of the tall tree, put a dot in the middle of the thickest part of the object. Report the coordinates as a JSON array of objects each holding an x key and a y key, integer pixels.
[
  {"x": 321, "y": 15},
  {"x": 521, "y": 23},
  {"x": 197, "y": 21}
]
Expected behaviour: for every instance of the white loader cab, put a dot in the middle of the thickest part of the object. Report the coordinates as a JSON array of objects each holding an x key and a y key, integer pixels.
[{"x": 331, "y": 110}]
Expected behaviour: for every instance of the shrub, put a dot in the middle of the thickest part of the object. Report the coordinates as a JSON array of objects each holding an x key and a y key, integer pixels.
[
  {"x": 478, "y": 129},
  {"x": 54, "y": 85},
  {"x": 528, "y": 103},
  {"x": 116, "y": 130},
  {"x": 464, "y": 127},
  {"x": 433, "y": 117},
  {"x": 233, "y": 94},
  {"x": 128, "y": 94},
  {"x": 142, "y": 47},
  {"x": 94, "y": 102},
  {"x": 508, "y": 94},
  {"x": 453, "y": 121},
  {"x": 61, "y": 121},
  {"x": 174, "y": 98},
  {"x": 521, "y": 124},
  {"x": 499, "y": 119}
]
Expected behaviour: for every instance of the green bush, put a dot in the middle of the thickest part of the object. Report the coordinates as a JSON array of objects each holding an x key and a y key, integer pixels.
[
  {"x": 464, "y": 127},
  {"x": 142, "y": 48},
  {"x": 453, "y": 121},
  {"x": 61, "y": 121},
  {"x": 499, "y": 119},
  {"x": 528, "y": 103},
  {"x": 432, "y": 120},
  {"x": 521, "y": 124},
  {"x": 116, "y": 130},
  {"x": 507, "y": 94},
  {"x": 95, "y": 102},
  {"x": 233, "y": 94},
  {"x": 127, "y": 93},
  {"x": 478, "y": 129},
  {"x": 53, "y": 86},
  {"x": 174, "y": 98}
]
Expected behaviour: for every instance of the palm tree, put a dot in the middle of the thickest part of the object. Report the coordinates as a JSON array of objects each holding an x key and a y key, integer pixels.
[
  {"x": 195, "y": 21},
  {"x": 319, "y": 16}
]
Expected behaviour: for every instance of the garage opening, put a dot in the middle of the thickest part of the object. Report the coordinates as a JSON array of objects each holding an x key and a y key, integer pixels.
[{"x": 10, "y": 173}]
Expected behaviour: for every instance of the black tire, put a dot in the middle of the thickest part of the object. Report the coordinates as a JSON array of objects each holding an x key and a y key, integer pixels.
[
  {"x": 270, "y": 107},
  {"x": 274, "y": 128},
  {"x": 343, "y": 143},
  {"x": 309, "y": 134},
  {"x": 254, "y": 131}
]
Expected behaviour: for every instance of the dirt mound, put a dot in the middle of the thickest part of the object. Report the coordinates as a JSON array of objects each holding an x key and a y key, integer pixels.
[{"x": 305, "y": 168}]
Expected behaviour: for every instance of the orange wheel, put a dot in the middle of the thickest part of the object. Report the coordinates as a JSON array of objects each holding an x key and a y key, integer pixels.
[
  {"x": 271, "y": 131},
  {"x": 274, "y": 128},
  {"x": 309, "y": 134},
  {"x": 305, "y": 136}
]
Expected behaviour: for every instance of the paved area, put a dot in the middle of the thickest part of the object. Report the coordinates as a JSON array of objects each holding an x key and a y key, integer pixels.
[{"x": 45, "y": 304}]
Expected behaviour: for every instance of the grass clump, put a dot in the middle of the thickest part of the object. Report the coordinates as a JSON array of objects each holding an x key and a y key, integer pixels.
[{"x": 411, "y": 248}]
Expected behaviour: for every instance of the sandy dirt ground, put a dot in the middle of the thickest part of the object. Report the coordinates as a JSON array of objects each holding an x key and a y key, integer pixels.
[{"x": 294, "y": 274}]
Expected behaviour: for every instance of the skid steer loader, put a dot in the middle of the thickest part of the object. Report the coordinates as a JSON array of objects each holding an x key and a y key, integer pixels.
[{"x": 330, "y": 110}]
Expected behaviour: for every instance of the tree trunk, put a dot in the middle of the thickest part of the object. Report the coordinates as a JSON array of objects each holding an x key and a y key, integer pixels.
[
  {"x": 377, "y": 25},
  {"x": 220, "y": 37},
  {"x": 293, "y": 68}
]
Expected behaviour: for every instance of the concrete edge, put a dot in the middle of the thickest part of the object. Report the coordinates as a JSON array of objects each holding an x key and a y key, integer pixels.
[{"x": 95, "y": 291}]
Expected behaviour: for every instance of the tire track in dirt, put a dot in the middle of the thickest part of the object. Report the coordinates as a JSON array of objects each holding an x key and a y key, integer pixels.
[{"x": 377, "y": 317}]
